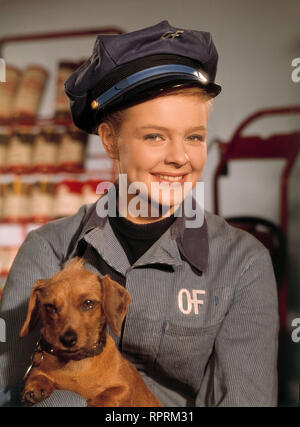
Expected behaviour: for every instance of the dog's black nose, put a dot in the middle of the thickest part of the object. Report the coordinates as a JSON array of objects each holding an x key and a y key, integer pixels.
[{"x": 69, "y": 338}]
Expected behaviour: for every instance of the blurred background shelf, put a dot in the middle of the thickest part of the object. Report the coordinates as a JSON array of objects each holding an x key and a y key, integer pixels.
[{"x": 48, "y": 167}]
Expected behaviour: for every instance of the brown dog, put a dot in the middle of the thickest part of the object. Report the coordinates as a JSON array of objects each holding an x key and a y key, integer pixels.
[{"x": 75, "y": 352}]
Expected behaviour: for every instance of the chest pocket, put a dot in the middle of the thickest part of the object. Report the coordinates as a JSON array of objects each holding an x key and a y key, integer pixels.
[
  {"x": 188, "y": 338},
  {"x": 184, "y": 353}
]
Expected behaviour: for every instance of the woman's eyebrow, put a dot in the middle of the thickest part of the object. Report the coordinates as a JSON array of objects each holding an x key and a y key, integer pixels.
[{"x": 193, "y": 129}]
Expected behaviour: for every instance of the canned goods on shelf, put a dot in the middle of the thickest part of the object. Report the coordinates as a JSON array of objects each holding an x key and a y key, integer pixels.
[
  {"x": 7, "y": 256},
  {"x": 5, "y": 135},
  {"x": 15, "y": 202},
  {"x": 19, "y": 150},
  {"x": 62, "y": 104},
  {"x": 41, "y": 201},
  {"x": 8, "y": 91},
  {"x": 45, "y": 151},
  {"x": 67, "y": 198},
  {"x": 30, "y": 92},
  {"x": 1, "y": 200},
  {"x": 89, "y": 191},
  {"x": 71, "y": 151}
]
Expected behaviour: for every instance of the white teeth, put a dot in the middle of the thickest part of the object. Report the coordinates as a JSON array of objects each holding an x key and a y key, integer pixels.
[{"x": 170, "y": 178}]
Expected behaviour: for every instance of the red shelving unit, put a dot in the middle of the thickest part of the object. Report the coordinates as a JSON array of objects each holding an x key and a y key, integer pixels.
[{"x": 278, "y": 146}]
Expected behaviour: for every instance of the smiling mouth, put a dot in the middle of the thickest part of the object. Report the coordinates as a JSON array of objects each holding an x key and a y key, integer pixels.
[{"x": 169, "y": 178}]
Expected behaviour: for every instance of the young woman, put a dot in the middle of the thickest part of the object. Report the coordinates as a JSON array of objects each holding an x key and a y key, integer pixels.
[{"x": 203, "y": 323}]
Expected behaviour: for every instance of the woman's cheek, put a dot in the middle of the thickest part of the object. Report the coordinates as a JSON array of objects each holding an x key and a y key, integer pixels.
[
  {"x": 146, "y": 159},
  {"x": 198, "y": 158}
]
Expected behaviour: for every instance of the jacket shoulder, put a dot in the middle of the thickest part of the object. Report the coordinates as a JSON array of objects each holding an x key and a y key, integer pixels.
[
  {"x": 227, "y": 239},
  {"x": 60, "y": 232}
]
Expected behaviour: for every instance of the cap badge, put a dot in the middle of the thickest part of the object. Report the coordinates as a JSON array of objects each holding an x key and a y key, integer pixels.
[
  {"x": 170, "y": 35},
  {"x": 95, "y": 104}
]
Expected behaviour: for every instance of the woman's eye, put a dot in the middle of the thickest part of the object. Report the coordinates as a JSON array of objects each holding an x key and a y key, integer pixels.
[
  {"x": 51, "y": 308},
  {"x": 200, "y": 138},
  {"x": 88, "y": 305},
  {"x": 153, "y": 137}
]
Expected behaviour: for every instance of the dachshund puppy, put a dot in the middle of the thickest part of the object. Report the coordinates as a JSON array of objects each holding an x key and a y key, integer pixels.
[{"x": 75, "y": 352}]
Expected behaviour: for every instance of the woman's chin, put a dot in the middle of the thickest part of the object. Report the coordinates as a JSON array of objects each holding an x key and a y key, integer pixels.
[{"x": 159, "y": 208}]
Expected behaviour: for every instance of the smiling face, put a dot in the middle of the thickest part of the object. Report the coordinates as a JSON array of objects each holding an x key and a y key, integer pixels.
[{"x": 162, "y": 142}]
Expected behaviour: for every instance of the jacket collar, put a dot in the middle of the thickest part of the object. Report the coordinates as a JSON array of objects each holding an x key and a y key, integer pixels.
[{"x": 180, "y": 241}]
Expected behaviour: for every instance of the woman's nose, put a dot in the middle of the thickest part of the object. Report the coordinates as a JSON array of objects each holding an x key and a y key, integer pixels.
[{"x": 176, "y": 154}]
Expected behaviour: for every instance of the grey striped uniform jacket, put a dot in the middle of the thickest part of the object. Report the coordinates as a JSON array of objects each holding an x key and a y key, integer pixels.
[{"x": 202, "y": 328}]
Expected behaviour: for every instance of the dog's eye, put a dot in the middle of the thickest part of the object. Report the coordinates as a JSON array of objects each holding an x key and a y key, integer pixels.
[
  {"x": 50, "y": 308},
  {"x": 88, "y": 304}
]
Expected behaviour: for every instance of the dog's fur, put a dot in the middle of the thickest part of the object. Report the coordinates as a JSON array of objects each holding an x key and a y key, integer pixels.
[{"x": 74, "y": 307}]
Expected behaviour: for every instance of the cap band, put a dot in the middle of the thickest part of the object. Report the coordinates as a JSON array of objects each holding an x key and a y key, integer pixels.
[{"x": 135, "y": 78}]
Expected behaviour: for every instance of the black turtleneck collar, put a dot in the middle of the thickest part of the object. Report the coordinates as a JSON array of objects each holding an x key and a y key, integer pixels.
[{"x": 135, "y": 238}]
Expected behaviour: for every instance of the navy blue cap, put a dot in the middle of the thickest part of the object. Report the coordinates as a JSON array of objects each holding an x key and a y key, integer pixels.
[{"x": 129, "y": 68}]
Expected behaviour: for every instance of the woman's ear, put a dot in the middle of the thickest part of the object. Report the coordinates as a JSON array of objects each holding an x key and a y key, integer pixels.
[{"x": 109, "y": 140}]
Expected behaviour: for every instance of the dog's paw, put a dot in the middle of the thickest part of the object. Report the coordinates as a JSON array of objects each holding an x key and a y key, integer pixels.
[{"x": 37, "y": 389}]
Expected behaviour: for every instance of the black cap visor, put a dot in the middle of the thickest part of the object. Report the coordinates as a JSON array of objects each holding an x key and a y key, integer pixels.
[
  {"x": 129, "y": 92},
  {"x": 171, "y": 71}
]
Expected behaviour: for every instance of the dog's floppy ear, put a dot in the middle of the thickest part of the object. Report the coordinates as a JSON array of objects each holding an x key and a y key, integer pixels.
[
  {"x": 33, "y": 310},
  {"x": 115, "y": 300}
]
